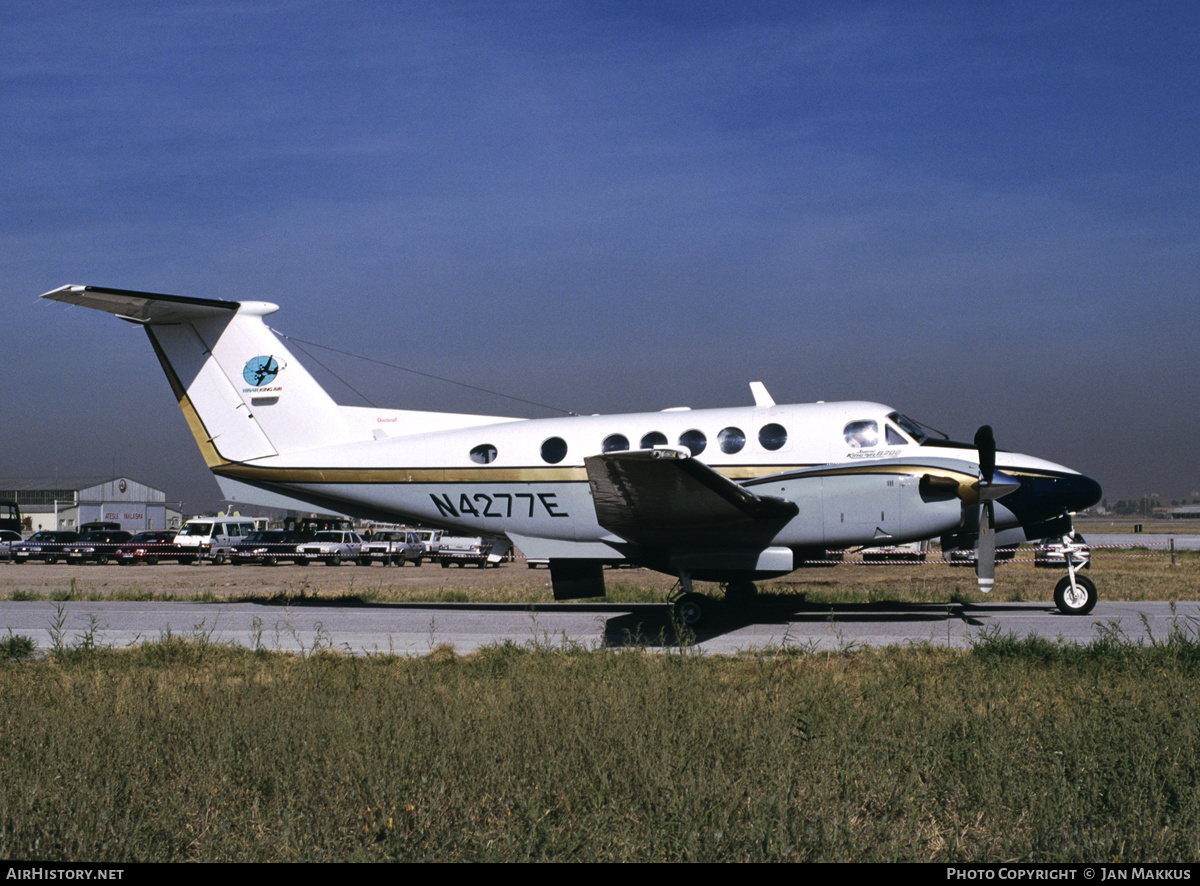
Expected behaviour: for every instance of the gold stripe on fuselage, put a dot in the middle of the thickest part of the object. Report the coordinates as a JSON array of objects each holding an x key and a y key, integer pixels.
[{"x": 222, "y": 466}]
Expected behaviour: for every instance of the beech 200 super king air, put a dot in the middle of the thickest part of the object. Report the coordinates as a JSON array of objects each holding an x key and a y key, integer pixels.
[{"x": 729, "y": 495}]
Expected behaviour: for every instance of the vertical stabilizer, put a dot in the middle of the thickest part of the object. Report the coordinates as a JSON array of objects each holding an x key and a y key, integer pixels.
[{"x": 244, "y": 395}]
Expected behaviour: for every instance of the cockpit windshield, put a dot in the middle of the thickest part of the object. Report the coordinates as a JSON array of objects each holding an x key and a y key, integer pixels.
[{"x": 913, "y": 428}]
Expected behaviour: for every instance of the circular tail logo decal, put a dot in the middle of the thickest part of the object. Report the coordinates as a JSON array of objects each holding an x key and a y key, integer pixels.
[{"x": 260, "y": 371}]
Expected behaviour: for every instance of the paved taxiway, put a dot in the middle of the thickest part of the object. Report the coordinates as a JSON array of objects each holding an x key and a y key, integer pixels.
[{"x": 415, "y": 629}]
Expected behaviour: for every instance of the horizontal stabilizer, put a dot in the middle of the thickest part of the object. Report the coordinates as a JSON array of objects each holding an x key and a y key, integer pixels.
[
  {"x": 142, "y": 307},
  {"x": 662, "y": 497}
]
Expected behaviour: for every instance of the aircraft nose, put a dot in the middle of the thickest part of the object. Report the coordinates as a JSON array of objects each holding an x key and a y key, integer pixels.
[
  {"x": 1066, "y": 492},
  {"x": 1079, "y": 492},
  {"x": 1048, "y": 495}
]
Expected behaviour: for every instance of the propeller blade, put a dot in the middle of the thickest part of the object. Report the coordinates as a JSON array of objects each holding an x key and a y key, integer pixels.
[
  {"x": 985, "y": 554},
  {"x": 985, "y": 442}
]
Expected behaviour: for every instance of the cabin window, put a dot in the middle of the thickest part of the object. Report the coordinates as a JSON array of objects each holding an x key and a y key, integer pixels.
[
  {"x": 615, "y": 443},
  {"x": 772, "y": 436},
  {"x": 731, "y": 440},
  {"x": 862, "y": 434},
  {"x": 694, "y": 440},
  {"x": 654, "y": 438},
  {"x": 483, "y": 454},
  {"x": 554, "y": 450}
]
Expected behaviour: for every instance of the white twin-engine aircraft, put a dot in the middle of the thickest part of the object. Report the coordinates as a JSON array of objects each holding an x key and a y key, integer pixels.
[{"x": 723, "y": 495}]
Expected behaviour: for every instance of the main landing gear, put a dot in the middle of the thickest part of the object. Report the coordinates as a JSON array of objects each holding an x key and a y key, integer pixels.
[
  {"x": 688, "y": 607},
  {"x": 693, "y": 610}
]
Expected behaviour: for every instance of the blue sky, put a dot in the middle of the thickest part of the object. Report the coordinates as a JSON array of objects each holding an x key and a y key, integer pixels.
[{"x": 973, "y": 212}]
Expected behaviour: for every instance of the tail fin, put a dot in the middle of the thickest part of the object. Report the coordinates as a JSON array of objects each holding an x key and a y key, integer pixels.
[{"x": 244, "y": 395}]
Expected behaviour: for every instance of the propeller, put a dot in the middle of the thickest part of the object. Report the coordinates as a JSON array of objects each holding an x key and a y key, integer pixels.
[
  {"x": 991, "y": 487},
  {"x": 985, "y": 553},
  {"x": 985, "y": 442}
]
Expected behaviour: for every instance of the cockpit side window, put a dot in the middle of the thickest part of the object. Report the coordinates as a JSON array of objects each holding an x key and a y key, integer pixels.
[
  {"x": 894, "y": 437},
  {"x": 862, "y": 434}
]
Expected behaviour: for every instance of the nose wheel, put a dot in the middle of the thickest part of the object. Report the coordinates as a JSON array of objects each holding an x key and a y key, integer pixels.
[{"x": 1077, "y": 597}]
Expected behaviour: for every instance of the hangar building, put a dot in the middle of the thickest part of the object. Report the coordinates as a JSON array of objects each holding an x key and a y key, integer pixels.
[{"x": 69, "y": 502}]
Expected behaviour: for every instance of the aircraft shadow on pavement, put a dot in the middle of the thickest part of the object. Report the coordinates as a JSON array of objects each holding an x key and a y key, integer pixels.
[{"x": 655, "y": 625}]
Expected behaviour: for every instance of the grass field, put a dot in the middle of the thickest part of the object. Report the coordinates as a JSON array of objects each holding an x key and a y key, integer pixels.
[
  {"x": 1017, "y": 751},
  {"x": 1011, "y": 751}
]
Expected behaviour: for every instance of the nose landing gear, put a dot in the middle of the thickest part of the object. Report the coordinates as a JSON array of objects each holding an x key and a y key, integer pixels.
[{"x": 1074, "y": 594}]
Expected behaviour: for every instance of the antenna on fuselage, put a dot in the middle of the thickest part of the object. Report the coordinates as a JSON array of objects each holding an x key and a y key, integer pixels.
[{"x": 761, "y": 397}]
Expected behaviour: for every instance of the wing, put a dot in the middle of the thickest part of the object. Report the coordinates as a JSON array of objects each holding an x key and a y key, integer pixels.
[{"x": 656, "y": 497}]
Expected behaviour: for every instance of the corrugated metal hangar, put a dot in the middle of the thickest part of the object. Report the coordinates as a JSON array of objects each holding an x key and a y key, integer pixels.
[{"x": 69, "y": 502}]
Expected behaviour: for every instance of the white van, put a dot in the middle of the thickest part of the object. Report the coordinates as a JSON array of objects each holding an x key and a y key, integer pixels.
[{"x": 214, "y": 536}]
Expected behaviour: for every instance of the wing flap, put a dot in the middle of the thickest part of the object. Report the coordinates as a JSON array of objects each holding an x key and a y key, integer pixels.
[{"x": 664, "y": 497}]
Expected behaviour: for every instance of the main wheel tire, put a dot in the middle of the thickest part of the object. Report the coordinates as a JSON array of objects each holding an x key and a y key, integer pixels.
[
  {"x": 692, "y": 609},
  {"x": 1079, "y": 601},
  {"x": 739, "y": 593}
]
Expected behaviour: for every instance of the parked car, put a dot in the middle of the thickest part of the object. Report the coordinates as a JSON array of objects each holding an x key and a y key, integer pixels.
[
  {"x": 913, "y": 552},
  {"x": 331, "y": 547},
  {"x": 47, "y": 545},
  {"x": 9, "y": 540},
  {"x": 480, "y": 550},
  {"x": 397, "y": 546},
  {"x": 268, "y": 547},
  {"x": 97, "y": 546},
  {"x": 432, "y": 540},
  {"x": 816, "y": 559},
  {"x": 1049, "y": 554},
  {"x": 150, "y": 547},
  {"x": 213, "y": 536},
  {"x": 967, "y": 556}
]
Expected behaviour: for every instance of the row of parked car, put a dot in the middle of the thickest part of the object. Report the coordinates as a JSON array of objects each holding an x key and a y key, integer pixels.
[
  {"x": 336, "y": 546},
  {"x": 264, "y": 546}
]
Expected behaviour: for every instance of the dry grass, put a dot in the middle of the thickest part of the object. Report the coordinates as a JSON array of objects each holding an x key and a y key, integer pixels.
[{"x": 1014, "y": 751}]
